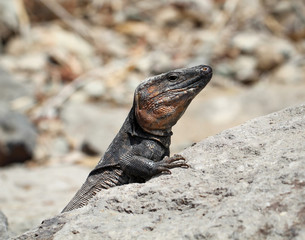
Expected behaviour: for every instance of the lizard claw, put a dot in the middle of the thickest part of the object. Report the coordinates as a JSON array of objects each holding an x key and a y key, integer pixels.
[
  {"x": 171, "y": 162},
  {"x": 174, "y": 158}
]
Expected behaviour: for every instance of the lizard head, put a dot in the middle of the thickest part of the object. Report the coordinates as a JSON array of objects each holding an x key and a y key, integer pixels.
[{"x": 161, "y": 100}]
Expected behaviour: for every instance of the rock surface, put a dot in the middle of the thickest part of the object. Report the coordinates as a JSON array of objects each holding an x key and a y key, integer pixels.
[
  {"x": 247, "y": 182},
  {"x": 3, "y": 226},
  {"x": 45, "y": 190}
]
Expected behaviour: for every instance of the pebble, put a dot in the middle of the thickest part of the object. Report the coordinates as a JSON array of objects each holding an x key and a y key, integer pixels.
[
  {"x": 94, "y": 89},
  {"x": 247, "y": 41},
  {"x": 245, "y": 69},
  {"x": 269, "y": 56},
  {"x": 17, "y": 137},
  {"x": 60, "y": 147},
  {"x": 289, "y": 73}
]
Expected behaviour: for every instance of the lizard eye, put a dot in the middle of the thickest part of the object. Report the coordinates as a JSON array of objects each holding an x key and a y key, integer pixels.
[{"x": 172, "y": 77}]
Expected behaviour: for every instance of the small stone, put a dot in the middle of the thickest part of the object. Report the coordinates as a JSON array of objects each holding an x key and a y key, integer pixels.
[
  {"x": 281, "y": 7},
  {"x": 10, "y": 89},
  {"x": 60, "y": 147},
  {"x": 247, "y": 41},
  {"x": 268, "y": 57},
  {"x": 241, "y": 168},
  {"x": 167, "y": 16},
  {"x": 290, "y": 73},
  {"x": 225, "y": 69},
  {"x": 155, "y": 62},
  {"x": 17, "y": 137},
  {"x": 95, "y": 89},
  {"x": 245, "y": 69},
  {"x": 88, "y": 149},
  {"x": 30, "y": 62}
]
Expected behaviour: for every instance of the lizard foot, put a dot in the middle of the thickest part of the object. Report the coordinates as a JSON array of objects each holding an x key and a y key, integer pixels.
[{"x": 171, "y": 162}]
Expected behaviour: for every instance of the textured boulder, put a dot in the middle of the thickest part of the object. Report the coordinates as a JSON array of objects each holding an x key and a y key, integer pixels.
[
  {"x": 247, "y": 182},
  {"x": 3, "y": 226}
]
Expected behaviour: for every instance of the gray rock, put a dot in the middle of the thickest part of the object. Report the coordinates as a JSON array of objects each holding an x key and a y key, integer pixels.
[
  {"x": 60, "y": 147},
  {"x": 156, "y": 62},
  {"x": 92, "y": 124},
  {"x": 225, "y": 69},
  {"x": 32, "y": 194},
  {"x": 19, "y": 96},
  {"x": 281, "y": 7},
  {"x": 17, "y": 137},
  {"x": 9, "y": 88},
  {"x": 3, "y": 226},
  {"x": 95, "y": 89},
  {"x": 245, "y": 69},
  {"x": 28, "y": 62},
  {"x": 273, "y": 52},
  {"x": 17, "y": 134},
  {"x": 244, "y": 183},
  {"x": 247, "y": 42},
  {"x": 269, "y": 56},
  {"x": 289, "y": 73},
  {"x": 13, "y": 20}
]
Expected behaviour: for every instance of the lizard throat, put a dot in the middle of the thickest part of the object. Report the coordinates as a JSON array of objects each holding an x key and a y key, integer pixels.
[{"x": 162, "y": 136}]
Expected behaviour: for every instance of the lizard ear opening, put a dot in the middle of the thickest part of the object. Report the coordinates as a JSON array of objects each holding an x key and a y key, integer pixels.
[
  {"x": 137, "y": 107},
  {"x": 136, "y": 100},
  {"x": 141, "y": 114}
]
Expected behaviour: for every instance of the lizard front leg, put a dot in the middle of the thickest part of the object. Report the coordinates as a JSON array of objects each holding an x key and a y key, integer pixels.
[{"x": 144, "y": 168}]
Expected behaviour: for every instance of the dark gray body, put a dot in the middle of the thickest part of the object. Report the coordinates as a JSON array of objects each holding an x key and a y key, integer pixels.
[{"x": 141, "y": 148}]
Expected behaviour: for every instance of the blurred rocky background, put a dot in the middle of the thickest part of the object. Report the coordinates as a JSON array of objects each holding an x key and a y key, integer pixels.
[{"x": 68, "y": 70}]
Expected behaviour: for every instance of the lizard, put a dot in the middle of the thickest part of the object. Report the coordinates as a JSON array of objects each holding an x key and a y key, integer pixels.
[{"x": 140, "y": 150}]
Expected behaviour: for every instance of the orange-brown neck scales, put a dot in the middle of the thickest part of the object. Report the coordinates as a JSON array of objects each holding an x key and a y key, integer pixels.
[{"x": 158, "y": 115}]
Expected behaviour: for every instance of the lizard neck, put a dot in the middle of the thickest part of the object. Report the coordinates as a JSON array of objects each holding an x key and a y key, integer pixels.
[{"x": 162, "y": 136}]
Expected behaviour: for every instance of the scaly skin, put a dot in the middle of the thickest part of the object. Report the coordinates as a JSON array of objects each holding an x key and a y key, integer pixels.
[{"x": 141, "y": 148}]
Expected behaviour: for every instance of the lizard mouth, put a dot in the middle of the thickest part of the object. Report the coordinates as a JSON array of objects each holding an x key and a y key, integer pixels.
[
  {"x": 187, "y": 88},
  {"x": 192, "y": 87},
  {"x": 197, "y": 82}
]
